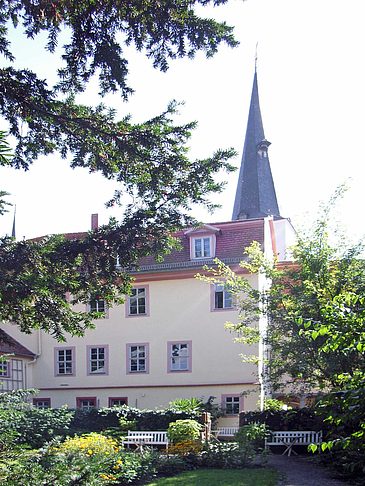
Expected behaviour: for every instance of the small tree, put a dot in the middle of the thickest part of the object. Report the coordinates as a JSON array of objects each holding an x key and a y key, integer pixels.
[{"x": 316, "y": 334}]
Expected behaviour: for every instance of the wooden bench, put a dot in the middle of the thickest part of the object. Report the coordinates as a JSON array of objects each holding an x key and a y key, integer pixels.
[
  {"x": 224, "y": 432},
  {"x": 147, "y": 437},
  {"x": 291, "y": 438}
]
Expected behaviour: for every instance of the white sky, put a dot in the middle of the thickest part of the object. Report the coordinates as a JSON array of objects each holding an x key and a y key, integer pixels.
[{"x": 311, "y": 84}]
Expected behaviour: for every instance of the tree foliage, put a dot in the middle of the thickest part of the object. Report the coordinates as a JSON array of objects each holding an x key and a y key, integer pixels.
[
  {"x": 149, "y": 161},
  {"x": 315, "y": 306}
]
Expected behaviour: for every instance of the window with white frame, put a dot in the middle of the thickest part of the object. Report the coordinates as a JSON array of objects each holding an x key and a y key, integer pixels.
[
  {"x": 202, "y": 247},
  {"x": 137, "y": 302},
  {"x": 97, "y": 305},
  {"x": 231, "y": 404},
  {"x": 42, "y": 402},
  {"x": 223, "y": 298},
  {"x": 4, "y": 369},
  {"x": 179, "y": 356},
  {"x": 65, "y": 361},
  {"x": 86, "y": 403},
  {"x": 137, "y": 358},
  {"x": 97, "y": 359}
]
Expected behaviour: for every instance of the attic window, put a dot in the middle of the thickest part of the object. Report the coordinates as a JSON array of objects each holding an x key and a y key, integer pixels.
[
  {"x": 202, "y": 241},
  {"x": 202, "y": 247}
]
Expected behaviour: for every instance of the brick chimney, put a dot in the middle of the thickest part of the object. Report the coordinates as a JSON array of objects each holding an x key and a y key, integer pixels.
[{"x": 94, "y": 221}]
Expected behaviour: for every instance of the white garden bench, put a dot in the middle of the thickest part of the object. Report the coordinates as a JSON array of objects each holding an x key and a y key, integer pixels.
[
  {"x": 291, "y": 438},
  {"x": 224, "y": 432},
  {"x": 148, "y": 437}
]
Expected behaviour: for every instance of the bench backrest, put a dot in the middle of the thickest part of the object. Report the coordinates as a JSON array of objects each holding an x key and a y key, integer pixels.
[
  {"x": 151, "y": 436},
  {"x": 227, "y": 431},
  {"x": 304, "y": 437}
]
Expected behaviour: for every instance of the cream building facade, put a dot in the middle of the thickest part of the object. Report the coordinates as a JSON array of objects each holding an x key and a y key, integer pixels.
[{"x": 167, "y": 340}]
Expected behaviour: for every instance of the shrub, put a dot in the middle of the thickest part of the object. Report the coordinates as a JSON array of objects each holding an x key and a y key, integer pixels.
[
  {"x": 251, "y": 439},
  {"x": 222, "y": 455},
  {"x": 89, "y": 444},
  {"x": 20, "y": 423},
  {"x": 186, "y": 447},
  {"x": 183, "y": 430},
  {"x": 188, "y": 405},
  {"x": 296, "y": 419}
]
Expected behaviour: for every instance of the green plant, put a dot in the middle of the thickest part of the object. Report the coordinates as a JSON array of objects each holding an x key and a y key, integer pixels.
[
  {"x": 89, "y": 444},
  {"x": 222, "y": 455},
  {"x": 275, "y": 405},
  {"x": 189, "y": 405},
  {"x": 182, "y": 430},
  {"x": 250, "y": 440},
  {"x": 126, "y": 424}
]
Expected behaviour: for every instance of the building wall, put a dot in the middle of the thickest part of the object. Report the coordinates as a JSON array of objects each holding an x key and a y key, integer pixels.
[{"x": 180, "y": 310}]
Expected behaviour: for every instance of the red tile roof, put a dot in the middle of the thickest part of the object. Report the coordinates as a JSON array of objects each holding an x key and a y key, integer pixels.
[{"x": 231, "y": 240}]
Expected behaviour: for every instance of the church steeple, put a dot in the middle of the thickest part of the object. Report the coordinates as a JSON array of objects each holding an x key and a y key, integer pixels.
[{"x": 255, "y": 194}]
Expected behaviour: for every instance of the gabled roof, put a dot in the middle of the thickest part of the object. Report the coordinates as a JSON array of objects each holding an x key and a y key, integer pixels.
[
  {"x": 255, "y": 194},
  {"x": 9, "y": 345}
]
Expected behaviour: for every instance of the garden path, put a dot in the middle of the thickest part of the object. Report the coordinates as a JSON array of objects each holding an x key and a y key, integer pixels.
[{"x": 302, "y": 471}]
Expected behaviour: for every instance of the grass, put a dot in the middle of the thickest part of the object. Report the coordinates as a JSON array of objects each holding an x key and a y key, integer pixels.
[{"x": 221, "y": 477}]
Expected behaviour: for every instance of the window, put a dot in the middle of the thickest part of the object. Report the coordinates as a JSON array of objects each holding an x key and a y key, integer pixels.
[
  {"x": 97, "y": 357},
  {"x": 222, "y": 297},
  {"x": 137, "y": 356},
  {"x": 98, "y": 305},
  {"x": 138, "y": 302},
  {"x": 202, "y": 247},
  {"x": 42, "y": 402},
  {"x": 4, "y": 369},
  {"x": 231, "y": 404},
  {"x": 117, "y": 401},
  {"x": 65, "y": 361},
  {"x": 179, "y": 356},
  {"x": 86, "y": 403}
]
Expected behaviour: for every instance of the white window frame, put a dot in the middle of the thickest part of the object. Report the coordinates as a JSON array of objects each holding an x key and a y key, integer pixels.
[
  {"x": 227, "y": 297},
  {"x": 230, "y": 403},
  {"x": 203, "y": 253},
  {"x": 4, "y": 369},
  {"x": 142, "y": 356},
  {"x": 67, "y": 351},
  {"x": 98, "y": 360},
  {"x": 136, "y": 301},
  {"x": 179, "y": 362}
]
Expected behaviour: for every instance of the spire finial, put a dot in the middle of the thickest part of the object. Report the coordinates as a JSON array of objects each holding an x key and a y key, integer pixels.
[{"x": 257, "y": 43}]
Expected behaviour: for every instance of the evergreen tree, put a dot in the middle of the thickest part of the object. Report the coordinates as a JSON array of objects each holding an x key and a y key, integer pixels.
[{"x": 149, "y": 161}]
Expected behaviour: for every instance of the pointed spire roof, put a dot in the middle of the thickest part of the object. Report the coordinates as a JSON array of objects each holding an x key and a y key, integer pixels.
[{"x": 255, "y": 194}]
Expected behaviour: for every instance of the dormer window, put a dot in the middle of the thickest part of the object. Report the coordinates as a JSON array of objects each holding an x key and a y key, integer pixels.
[
  {"x": 202, "y": 247},
  {"x": 202, "y": 242}
]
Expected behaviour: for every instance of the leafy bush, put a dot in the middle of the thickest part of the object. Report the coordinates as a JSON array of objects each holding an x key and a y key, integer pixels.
[
  {"x": 295, "y": 419},
  {"x": 222, "y": 455},
  {"x": 183, "y": 430},
  {"x": 186, "y": 447},
  {"x": 188, "y": 405},
  {"x": 89, "y": 444},
  {"x": 20, "y": 423},
  {"x": 251, "y": 440},
  {"x": 275, "y": 405}
]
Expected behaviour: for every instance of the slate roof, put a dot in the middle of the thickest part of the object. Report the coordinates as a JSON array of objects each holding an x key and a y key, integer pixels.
[
  {"x": 255, "y": 194},
  {"x": 9, "y": 345}
]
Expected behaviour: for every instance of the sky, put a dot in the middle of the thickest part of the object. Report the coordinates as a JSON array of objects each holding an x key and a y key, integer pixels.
[{"x": 311, "y": 84}]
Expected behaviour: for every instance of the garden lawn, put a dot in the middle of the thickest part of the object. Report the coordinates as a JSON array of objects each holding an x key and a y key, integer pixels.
[{"x": 221, "y": 477}]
